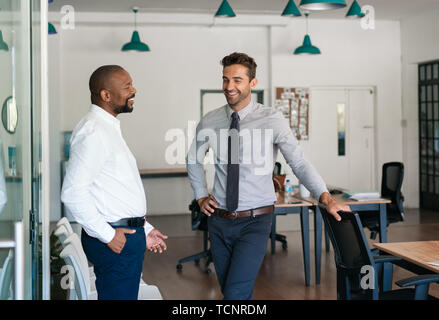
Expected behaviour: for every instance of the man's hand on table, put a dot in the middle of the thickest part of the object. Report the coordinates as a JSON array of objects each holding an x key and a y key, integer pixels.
[{"x": 333, "y": 206}]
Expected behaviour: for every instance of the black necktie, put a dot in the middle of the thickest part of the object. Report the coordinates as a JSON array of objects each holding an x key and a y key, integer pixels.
[{"x": 232, "y": 195}]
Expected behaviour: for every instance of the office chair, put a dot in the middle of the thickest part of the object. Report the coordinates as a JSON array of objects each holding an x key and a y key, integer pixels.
[
  {"x": 83, "y": 288},
  {"x": 6, "y": 272},
  {"x": 391, "y": 183},
  {"x": 199, "y": 222},
  {"x": 353, "y": 258},
  {"x": 279, "y": 181}
]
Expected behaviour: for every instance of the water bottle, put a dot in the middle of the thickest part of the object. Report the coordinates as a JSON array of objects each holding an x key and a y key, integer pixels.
[{"x": 288, "y": 187}]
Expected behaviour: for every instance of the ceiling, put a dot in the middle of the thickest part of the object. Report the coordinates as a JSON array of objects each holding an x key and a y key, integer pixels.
[{"x": 384, "y": 9}]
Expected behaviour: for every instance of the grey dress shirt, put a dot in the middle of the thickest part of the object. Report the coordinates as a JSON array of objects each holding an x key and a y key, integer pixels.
[{"x": 263, "y": 131}]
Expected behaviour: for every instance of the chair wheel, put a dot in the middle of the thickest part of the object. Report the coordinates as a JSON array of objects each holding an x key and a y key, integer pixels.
[
  {"x": 208, "y": 271},
  {"x": 284, "y": 246},
  {"x": 179, "y": 266}
]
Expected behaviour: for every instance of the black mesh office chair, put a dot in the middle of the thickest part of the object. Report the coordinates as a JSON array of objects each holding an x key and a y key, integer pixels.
[
  {"x": 391, "y": 183},
  {"x": 199, "y": 222},
  {"x": 353, "y": 257}
]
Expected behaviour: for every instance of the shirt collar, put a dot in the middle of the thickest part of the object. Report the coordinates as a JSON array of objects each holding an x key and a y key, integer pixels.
[
  {"x": 241, "y": 113},
  {"x": 105, "y": 115}
]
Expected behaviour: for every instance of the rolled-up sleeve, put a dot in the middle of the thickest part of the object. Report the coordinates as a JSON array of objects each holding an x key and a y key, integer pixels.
[
  {"x": 294, "y": 156},
  {"x": 88, "y": 154}
]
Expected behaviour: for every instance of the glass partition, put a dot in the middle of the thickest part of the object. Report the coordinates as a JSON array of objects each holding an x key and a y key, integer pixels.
[{"x": 15, "y": 147}]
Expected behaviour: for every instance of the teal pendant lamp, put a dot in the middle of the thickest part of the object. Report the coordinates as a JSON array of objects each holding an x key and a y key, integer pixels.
[
  {"x": 307, "y": 47},
  {"x": 322, "y": 4},
  {"x": 225, "y": 11},
  {"x": 291, "y": 10},
  {"x": 51, "y": 29},
  {"x": 3, "y": 44},
  {"x": 135, "y": 44},
  {"x": 355, "y": 11}
]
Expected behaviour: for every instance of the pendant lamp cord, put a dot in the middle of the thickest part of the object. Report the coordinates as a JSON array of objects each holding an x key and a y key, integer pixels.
[
  {"x": 306, "y": 15},
  {"x": 135, "y": 18}
]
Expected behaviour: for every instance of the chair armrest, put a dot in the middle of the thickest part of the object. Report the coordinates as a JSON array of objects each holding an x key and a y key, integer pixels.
[
  {"x": 385, "y": 258},
  {"x": 417, "y": 280}
]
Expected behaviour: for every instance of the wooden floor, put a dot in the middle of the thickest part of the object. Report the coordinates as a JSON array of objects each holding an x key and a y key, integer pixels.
[{"x": 281, "y": 276}]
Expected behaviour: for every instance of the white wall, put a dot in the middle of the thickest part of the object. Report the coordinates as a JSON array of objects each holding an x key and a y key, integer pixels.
[
  {"x": 419, "y": 44},
  {"x": 353, "y": 57},
  {"x": 185, "y": 59},
  {"x": 182, "y": 61}
]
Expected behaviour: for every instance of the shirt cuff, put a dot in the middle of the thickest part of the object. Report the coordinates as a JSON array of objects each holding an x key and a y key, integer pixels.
[
  {"x": 319, "y": 192},
  {"x": 201, "y": 193},
  {"x": 107, "y": 235},
  {"x": 148, "y": 228}
]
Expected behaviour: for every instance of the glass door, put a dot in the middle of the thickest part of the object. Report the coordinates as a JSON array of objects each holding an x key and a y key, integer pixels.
[
  {"x": 18, "y": 97},
  {"x": 35, "y": 237},
  {"x": 429, "y": 135}
]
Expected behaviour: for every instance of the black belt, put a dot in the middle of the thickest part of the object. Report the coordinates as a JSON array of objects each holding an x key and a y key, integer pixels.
[
  {"x": 129, "y": 222},
  {"x": 241, "y": 214}
]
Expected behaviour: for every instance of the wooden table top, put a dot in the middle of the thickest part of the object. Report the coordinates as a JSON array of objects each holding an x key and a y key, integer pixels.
[
  {"x": 291, "y": 202},
  {"x": 417, "y": 252}
]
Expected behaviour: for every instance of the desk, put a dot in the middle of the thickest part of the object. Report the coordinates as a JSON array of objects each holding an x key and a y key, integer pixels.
[
  {"x": 282, "y": 207},
  {"x": 417, "y": 253},
  {"x": 369, "y": 205}
]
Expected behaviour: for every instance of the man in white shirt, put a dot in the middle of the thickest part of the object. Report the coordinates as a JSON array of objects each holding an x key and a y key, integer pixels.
[{"x": 103, "y": 190}]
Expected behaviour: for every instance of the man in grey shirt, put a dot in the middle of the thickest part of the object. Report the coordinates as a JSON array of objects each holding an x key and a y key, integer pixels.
[{"x": 245, "y": 138}]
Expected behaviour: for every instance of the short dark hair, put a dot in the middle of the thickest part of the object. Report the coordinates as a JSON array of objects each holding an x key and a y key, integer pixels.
[
  {"x": 243, "y": 59},
  {"x": 99, "y": 79}
]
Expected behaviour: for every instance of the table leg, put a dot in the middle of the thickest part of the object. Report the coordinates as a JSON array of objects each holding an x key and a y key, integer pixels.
[
  {"x": 273, "y": 234},
  {"x": 387, "y": 267},
  {"x": 318, "y": 241},
  {"x": 383, "y": 222},
  {"x": 304, "y": 222}
]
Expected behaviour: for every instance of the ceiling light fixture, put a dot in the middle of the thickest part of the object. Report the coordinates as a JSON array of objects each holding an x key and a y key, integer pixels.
[
  {"x": 291, "y": 10},
  {"x": 135, "y": 44},
  {"x": 322, "y": 4},
  {"x": 51, "y": 28},
  {"x": 3, "y": 44},
  {"x": 225, "y": 11},
  {"x": 307, "y": 47},
  {"x": 355, "y": 11}
]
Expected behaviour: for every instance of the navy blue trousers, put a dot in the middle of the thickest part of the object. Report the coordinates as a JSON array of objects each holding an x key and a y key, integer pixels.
[
  {"x": 238, "y": 248},
  {"x": 117, "y": 275}
]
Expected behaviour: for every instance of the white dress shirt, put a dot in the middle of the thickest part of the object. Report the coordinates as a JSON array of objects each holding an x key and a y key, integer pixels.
[{"x": 102, "y": 182}]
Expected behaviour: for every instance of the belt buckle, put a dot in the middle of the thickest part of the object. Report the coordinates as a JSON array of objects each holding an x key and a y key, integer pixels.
[{"x": 234, "y": 215}]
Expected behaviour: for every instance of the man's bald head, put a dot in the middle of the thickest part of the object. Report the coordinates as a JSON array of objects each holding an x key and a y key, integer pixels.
[
  {"x": 101, "y": 80},
  {"x": 111, "y": 88}
]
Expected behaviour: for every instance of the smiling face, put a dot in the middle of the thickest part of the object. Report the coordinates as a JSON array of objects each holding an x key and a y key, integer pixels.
[
  {"x": 122, "y": 92},
  {"x": 237, "y": 86}
]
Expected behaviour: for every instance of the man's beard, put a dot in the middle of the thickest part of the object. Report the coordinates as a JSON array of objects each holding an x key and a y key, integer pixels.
[
  {"x": 238, "y": 100},
  {"x": 125, "y": 108}
]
